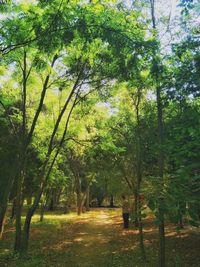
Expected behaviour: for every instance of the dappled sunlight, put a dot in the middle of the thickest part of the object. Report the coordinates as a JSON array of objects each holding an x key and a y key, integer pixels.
[
  {"x": 5, "y": 251},
  {"x": 55, "y": 217},
  {"x": 129, "y": 248},
  {"x": 171, "y": 234},
  {"x": 182, "y": 235},
  {"x": 148, "y": 242},
  {"x": 150, "y": 230},
  {"x": 58, "y": 246},
  {"x": 78, "y": 239},
  {"x": 83, "y": 233},
  {"x": 9, "y": 230},
  {"x": 102, "y": 216},
  {"x": 128, "y": 232}
]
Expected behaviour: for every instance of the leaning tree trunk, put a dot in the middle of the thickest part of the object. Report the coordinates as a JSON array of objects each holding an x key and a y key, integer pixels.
[
  {"x": 13, "y": 211},
  {"x": 3, "y": 209},
  {"x": 5, "y": 192},
  {"x": 27, "y": 223}
]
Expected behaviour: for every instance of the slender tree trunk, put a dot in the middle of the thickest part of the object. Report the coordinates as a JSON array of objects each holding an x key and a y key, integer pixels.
[
  {"x": 18, "y": 223},
  {"x": 30, "y": 212},
  {"x": 111, "y": 201},
  {"x": 79, "y": 197},
  {"x": 58, "y": 196},
  {"x": 161, "y": 238},
  {"x": 79, "y": 204},
  {"x": 139, "y": 174},
  {"x": 161, "y": 168},
  {"x": 42, "y": 209},
  {"x": 136, "y": 208},
  {"x": 160, "y": 150},
  {"x": 141, "y": 234},
  {"x": 3, "y": 209},
  {"x": 4, "y": 202},
  {"x": 22, "y": 156},
  {"x": 88, "y": 199},
  {"x": 44, "y": 205},
  {"x": 6, "y": 187},
  {"x": 13, "y": 211}
]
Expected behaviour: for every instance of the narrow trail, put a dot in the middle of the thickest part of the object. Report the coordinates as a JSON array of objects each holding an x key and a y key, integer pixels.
[{"x": 93, "y": 241}]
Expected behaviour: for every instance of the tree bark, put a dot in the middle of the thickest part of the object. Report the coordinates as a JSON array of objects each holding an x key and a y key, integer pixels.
[
  {"x": 3, "y": 209},
  {"x": 161, "y": 168},
  {"x": 139, "y": 174},
  {"x": 79, "y": 203},
  {"x": 18, "y": 223},
  {"x": 136, "y": 208},
  {"x": 13, "y": 212},
  {"x": 141, "y": 234},
  {"x": 111, "y": 201},
  {"x": 4, "y": 202},
  {"x": 88, "y": 199}
]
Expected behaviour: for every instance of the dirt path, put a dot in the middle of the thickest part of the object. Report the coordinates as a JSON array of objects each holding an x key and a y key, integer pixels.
[{"x": 95, "y": 240}]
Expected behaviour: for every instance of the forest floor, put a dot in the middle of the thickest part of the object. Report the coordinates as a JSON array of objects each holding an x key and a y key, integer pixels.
[{"x": 97, "y": 239}]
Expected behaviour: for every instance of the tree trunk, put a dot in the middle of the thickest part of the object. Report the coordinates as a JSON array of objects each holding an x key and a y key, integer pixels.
[
  {"x": 18, "y": 226},
  {"x": 30, "y": 212},
  {"x": 25, "y": 233},
  {"x": 141, "y": 234},
  {"x": 111, "y": 201},
  {"x": 13, "y": 212},
  {"x": 18, "y": 223},
  {"x": 88, "y": 199},
  {"x": 5, "y": 192},
  {"x": 44, "y": 205},
  {"x": 42, "y": 209},
  {"x": 58, "y": 192},
  {"x": 136, "y": 208},
  {"x": 3, "y": 209},
  {"x": 161, "y": 238},
  {"x": 79, "y": 203},
  {"x": 161, "y": 169},
  {"x": 139, "y": 175}
]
